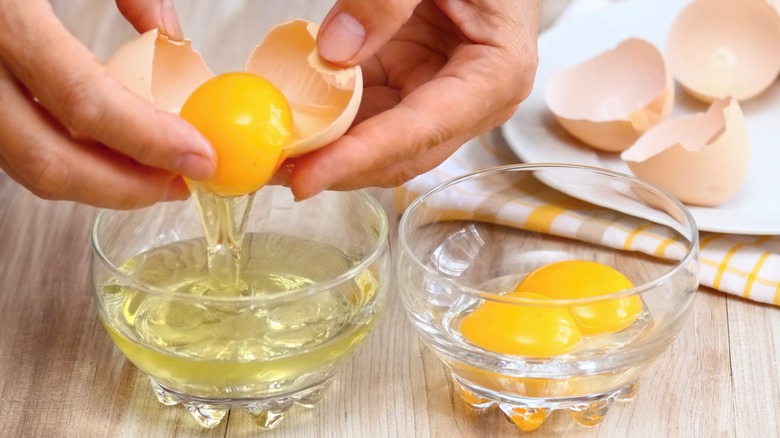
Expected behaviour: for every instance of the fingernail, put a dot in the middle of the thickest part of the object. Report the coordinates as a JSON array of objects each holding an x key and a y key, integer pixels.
[
  {"x": 170, "y": 20},
  {"x": 176, "y": 191},
  {"x": 342, "y": 38},
  {"x": 193, "y": 166},
  {"x": 203, "y": 148}
]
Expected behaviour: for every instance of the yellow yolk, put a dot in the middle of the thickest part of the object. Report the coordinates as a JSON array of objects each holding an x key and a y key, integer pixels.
[
  {"x": 248, "y": 121},
  {"x": 522, "y": 330},
  {"x": 581, "y": 279}
]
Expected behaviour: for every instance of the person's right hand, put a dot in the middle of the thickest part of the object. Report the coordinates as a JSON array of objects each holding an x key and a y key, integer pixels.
[{"x": 68, "y": 130}]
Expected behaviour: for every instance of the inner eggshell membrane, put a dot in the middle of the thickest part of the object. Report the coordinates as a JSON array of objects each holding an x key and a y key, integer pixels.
[
  {"x": 324, "y": 99},
  {"x": 162, "y": 71},
  {"x": 720, "y": 48},
  {"x": 608, "y": 101},
  {"x": 702, "y": 159}
]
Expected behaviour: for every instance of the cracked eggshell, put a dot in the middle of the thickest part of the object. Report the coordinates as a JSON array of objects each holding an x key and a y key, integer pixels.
[
  {"x": 702, "y": 159},
  {"x": 162, "y": 71},
  {"x": 608, "y": 101},
  {"x": 725, "y": 48},
  {"x": 324, "y": 99}
]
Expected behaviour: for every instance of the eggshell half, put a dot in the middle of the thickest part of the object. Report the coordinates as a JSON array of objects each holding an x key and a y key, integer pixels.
[
  {"x": 160, "y": 70},
  {"x": 720, "y": 48},
  {"x": 324, "y": 99},
  {"x": 608, "y": 101},
  {"x": 702, "y": 159}
]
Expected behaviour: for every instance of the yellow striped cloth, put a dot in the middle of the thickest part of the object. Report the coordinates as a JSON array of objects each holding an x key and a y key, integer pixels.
[{"x": 742, "y": 265}]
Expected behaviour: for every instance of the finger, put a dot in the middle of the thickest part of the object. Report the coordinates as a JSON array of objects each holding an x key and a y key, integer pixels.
[
  {"x": 152, "y": 14},
  {"x": 501, "y": 23},
  {"x": 479, "y": 88},
  {"x": 414, "y": 126},
  {"x": 283, "y": 174},
  {"x": 401, "y": 171},
  {"x": 40, "y": 155},
  {"x": 394, "y": 171},
  {"x": 78, "y": 91},
  {"x": 354, "y": 30}
]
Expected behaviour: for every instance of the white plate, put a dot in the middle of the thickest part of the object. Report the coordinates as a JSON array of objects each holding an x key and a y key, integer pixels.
[{"x": 536, "y": 137}]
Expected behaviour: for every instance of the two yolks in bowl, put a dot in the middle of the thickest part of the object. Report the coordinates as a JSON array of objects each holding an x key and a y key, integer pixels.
[{"x": 539, "y": 331}]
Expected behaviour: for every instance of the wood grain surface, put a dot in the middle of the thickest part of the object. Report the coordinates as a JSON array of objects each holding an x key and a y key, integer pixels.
[{"x": 60, "y": 375}]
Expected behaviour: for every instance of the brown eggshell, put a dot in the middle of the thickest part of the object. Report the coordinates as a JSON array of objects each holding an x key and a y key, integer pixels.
[
  {"x": 324, "y": 99},
  {"x": 720, "y": 48},
  {"x": 608, "y": 101},
  {"x": 160, "y": 70},
  {"x": 701, "y": 159}
]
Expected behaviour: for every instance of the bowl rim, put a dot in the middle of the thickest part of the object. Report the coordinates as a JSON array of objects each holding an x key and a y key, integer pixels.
[
  {"x": 691, "y": 255},
  {"x": 381, "y": 246}
]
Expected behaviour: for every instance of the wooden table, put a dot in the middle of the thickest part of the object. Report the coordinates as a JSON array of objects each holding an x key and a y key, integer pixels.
[{"x": 62, "y": 377}]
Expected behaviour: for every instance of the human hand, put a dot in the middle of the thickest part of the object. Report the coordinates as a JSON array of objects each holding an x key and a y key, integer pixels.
[
  {"x": 68, "y": 130},
  {"x": 436, "y": 73}
]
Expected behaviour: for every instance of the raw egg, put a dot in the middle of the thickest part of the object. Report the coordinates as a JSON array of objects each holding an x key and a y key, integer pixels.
[
  {"x": 722, "y": 48},
  {"x": 571, "y": 279},
  {"x": 702, "y": 159},
  {"x": 323, "y": 99},
  {"x": 522, "y": 330},
  {"x": 247, "y": 121},
  {"x": 608, "y": 101}
]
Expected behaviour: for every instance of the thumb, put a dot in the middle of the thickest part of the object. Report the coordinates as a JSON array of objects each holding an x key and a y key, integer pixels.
[
  {"x": 355, "y": 29},
  {"x": 150, "y": 14}
]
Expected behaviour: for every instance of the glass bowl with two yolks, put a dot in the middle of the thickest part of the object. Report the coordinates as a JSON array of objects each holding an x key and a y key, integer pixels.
[{"x": 547, "y": 288}]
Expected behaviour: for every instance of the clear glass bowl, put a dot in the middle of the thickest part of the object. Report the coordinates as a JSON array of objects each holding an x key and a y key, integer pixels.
[
  {"x": 468, "y": 242},
  {"x": 313, "y": 280}
]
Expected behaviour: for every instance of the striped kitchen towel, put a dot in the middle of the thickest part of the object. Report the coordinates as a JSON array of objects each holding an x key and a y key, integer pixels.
[{"x": 743, "y": 265}]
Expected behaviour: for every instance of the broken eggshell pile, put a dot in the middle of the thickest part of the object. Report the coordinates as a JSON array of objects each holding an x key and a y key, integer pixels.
[
  {"x": 720, "y": 52},
  {"x": 324, "y": 99}
]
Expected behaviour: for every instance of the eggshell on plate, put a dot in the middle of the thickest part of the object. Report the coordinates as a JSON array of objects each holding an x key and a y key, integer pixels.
[
  {"x": 702, "y": 159},
  {"x": 324, "y": 99},
  {"x": 609, "y": 100},
  {"x": 720, "y": 48}
]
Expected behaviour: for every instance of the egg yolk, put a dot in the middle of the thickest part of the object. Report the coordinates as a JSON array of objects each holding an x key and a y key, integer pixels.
[
  {"x": 522, "y": 330},
  {"x": 583, "y": 279},
  {"x": 248, "y": 121}
]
